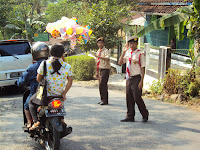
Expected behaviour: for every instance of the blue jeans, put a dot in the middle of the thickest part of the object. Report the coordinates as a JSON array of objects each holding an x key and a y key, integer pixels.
[{"x": 26, "y": 104}]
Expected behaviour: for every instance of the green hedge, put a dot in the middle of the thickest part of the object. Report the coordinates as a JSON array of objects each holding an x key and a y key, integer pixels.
[{"x": 83, "y": 67}]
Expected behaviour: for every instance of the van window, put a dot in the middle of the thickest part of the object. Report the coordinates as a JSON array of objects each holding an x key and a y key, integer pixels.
[{"x": 8, "y": 49}]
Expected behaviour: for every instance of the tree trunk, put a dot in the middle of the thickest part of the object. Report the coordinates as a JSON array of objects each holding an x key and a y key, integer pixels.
[
  {"x": 3, "y": 34},
  {"x": 26, "y": 29},
  {"x": 197, "y": 50}
]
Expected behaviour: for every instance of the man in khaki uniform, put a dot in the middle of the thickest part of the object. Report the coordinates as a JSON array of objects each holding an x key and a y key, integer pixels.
[
  {"x": 103, "y": 70},
  {"x": 135, "y": 69}
]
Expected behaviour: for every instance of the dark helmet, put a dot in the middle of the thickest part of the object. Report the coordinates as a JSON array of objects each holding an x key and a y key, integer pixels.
[{"x": 40, "y": 50}]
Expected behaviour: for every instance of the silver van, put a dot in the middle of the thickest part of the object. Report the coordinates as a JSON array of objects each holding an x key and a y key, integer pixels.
[{"x": 15, "y": 57}]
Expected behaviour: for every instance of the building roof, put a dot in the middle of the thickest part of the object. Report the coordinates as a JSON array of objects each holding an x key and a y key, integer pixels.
[
  {"x": 154, "y": 7},
  {"x": 157, "y": 9},
  {"x": 160, "y": 7}
]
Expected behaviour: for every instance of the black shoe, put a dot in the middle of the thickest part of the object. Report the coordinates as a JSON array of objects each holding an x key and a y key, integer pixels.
[
  {"x": 99, "y": 103},
  {"x": 145, "y": 119},
  {"x": 102, "y": 103},
  {"x": 128, "y": 120}
]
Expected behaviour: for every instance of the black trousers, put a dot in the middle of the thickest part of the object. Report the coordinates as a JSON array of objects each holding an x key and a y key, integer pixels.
[
  {"x": 103, "y": 86},
  {"x": 134, "y": 95},
  {"x": 33, "y": 108}
]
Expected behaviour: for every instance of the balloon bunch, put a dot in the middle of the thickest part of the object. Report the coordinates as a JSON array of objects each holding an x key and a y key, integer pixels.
[{"x": 68, "y": 29}]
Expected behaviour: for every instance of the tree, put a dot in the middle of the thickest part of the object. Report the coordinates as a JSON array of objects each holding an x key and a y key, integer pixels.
[
  {"x": 25, "y": 19},
  {"x": 6, "y": 9},
  {"x": 26, "y": 9},
  {"x": 103, "y": 16},
  {"x": 33, "y": 25}
]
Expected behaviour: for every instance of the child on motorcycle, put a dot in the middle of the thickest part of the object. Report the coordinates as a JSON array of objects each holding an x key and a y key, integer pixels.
[
  {"x": 40, "y": 52},
  {"x": 57, "y": 73}
]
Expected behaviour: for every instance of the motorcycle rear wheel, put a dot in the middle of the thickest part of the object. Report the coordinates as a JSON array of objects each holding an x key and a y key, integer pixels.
[{"x": 53, "y": 142}]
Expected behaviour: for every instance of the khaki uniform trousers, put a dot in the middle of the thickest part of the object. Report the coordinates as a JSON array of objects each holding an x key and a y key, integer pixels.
[
  {"x": 103, "y": 86},
  {"x": 134, "y": 95}
]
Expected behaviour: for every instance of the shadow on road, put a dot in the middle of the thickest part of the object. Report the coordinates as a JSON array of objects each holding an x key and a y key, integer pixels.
[
  {"x": 11, "y": 90},
  {"x": 101, "y": 124}
]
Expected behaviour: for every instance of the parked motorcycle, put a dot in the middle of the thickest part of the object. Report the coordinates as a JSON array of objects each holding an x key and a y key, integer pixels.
[{"x": 51, "y": 129}]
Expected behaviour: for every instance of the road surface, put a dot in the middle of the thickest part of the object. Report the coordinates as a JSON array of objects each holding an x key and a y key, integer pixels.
[{"x": 96, "y": 127}]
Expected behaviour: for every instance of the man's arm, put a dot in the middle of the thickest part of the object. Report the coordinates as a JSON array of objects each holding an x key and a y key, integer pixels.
[
  {"x": 39, "y": 77},
  {"x": 68, "y": 86},
  {"x": 104, "y": 58},
  {"x": 40, "y": 72},
  {"x": 142, "y": 73},
  {"x": 121, "y": 62},
  {"x": 140, "y": 85},
  {"x": 23, "y": 80}
]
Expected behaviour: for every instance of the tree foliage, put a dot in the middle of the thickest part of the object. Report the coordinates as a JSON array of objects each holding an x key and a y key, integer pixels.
[
  {"x": 23, "y": 17},
  {"x": 104, "y": 17},
  {"x": 6, "y": 9}
]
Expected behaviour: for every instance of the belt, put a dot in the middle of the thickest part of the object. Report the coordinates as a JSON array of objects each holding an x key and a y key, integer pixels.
[
  {"x": 136, "y": 76},
  {"x": 103, "y": 69}
]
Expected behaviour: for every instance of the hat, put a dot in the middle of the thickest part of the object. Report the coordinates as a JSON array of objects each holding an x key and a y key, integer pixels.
[
  {"x": 133, "y": 39},
  {"x": 100, "y": 39}
]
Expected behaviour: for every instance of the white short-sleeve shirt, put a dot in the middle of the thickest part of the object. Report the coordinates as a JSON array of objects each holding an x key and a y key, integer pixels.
[
  {"x": 135, "y": 68},
  {"x": 56, "y": 82},
  {"x": 103, "y": 63}
]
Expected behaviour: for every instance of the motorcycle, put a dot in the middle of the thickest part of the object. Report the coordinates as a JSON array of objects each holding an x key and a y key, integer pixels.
[{"x": 51, "y": 129}]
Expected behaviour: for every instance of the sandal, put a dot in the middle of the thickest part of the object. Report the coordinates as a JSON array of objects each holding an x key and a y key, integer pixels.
[
  {"x": 34, "y": 126},
  {"x": 26, "y": 126}
]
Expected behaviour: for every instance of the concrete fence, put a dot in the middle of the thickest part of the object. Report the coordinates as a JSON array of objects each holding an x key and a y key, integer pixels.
[{"x": 158, "y": 61}]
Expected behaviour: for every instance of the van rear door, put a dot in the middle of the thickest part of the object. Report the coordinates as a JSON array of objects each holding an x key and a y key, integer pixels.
[{"x": 15, "y": 57}]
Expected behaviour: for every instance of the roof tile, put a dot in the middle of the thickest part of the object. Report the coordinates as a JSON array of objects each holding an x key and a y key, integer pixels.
[{"x": 163, "y": 9}]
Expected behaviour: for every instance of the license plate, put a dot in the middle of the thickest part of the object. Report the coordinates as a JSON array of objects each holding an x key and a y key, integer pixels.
[
  {"x": 15, "y": 74},
  {"x": 54, "y": 112}
]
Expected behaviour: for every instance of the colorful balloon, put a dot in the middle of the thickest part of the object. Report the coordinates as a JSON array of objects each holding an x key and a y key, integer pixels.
[
  {"x": 62, "y": 31},
  {"x": 90, "y": 32},
  {"x": 65, "y": 19},
  {"x": 58, "y": 25},
  {"x": 84, "y": 31},
  {"x": 50, "y": 27},
  {"x": 74, "y": 27},
  {"x": 87, "y": 27},
  {"x": 69, "y": 31},
  {"x": 55, "y": 33},
  {"x": 75, "y": 19},
  {"x": 79, "y": 30}
]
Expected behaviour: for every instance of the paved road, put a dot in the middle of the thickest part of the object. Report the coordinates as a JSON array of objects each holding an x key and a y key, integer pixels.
[{"x": 98, "y": 127}]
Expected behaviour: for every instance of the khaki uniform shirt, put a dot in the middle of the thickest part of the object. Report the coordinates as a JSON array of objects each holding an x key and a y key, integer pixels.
[
  {"x": 135, "y": 68},
  {"x": 103, "y": 63}
]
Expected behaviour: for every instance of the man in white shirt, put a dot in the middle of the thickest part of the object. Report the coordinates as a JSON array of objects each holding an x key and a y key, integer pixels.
[{"x": 135, "y": 69}]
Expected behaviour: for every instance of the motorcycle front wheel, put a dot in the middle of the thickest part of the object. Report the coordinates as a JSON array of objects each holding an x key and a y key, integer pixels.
[{"x": 53, "y": 142}]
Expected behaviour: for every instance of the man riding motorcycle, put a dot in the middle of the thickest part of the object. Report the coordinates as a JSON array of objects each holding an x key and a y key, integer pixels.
[
  {"x": 58, "y": 72},
  {"x": 40, "y": 52}
]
